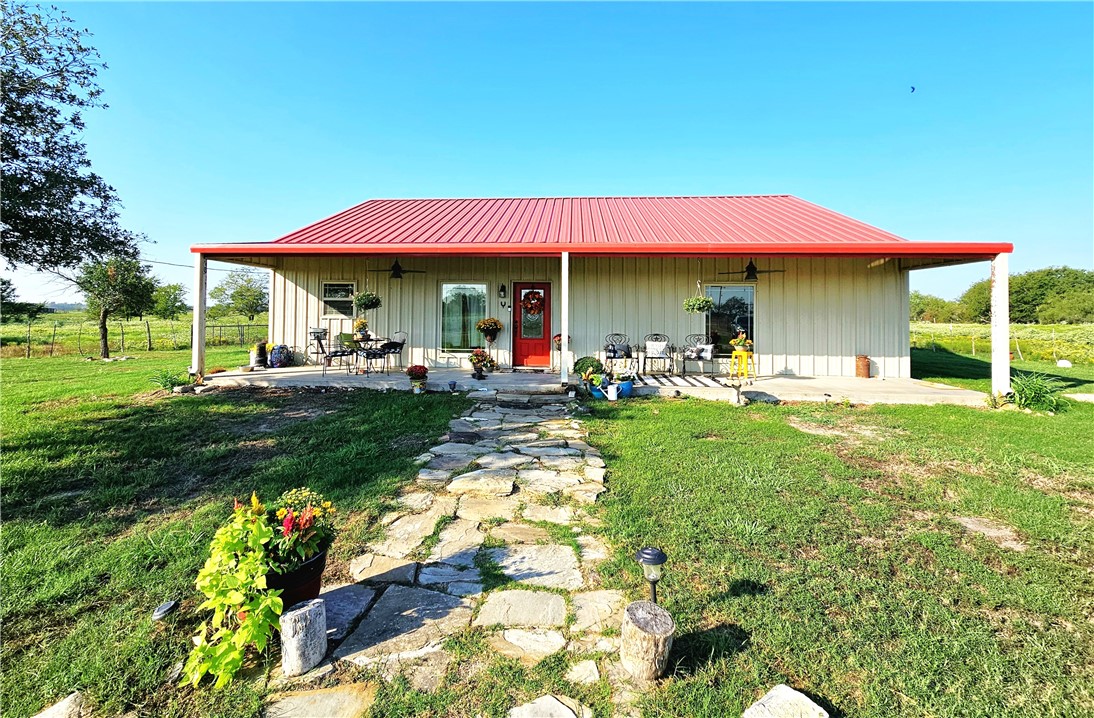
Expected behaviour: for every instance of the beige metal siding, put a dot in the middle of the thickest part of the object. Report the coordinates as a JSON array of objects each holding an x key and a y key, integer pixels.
[{"x": 811, "y": 320}]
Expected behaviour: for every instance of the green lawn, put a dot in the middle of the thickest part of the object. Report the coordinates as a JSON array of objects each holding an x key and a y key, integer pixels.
[
  {"x": 813, "y": 545},
  {"x": 830, "y": 559},
  {"x": 975, "y": 372},
  {"x": 111, "y": 496}
]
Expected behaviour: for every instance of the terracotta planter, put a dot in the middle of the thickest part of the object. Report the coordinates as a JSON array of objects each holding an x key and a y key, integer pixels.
[{"x": 301, "y": 584}]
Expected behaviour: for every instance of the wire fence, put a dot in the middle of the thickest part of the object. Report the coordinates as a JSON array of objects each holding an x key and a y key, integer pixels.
[{"x": 57, "y": 337}]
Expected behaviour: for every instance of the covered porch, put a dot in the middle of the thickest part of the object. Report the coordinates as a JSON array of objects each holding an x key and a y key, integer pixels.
[{"x": 772, "y": 388}]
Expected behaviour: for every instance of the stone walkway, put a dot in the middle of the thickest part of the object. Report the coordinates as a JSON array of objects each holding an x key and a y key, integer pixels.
[{"x": 506, "y": 486}]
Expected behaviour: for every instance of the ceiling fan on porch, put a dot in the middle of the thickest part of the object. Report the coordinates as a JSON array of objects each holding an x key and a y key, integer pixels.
[
  {"x": 751, "y": 274},
  {"x": 397, "y": 270}
]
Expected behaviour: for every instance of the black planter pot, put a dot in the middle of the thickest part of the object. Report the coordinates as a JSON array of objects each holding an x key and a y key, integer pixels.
[
  {"x": 478, "y": 374},
  {"x": 491, "y": 336},
  {"x": 301, "y": 584}
]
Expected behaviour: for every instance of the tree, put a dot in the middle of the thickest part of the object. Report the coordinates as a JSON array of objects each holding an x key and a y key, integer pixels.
[
  {"x": 118, "y": 284},
  {"x": 15, "y": 311},
  {"x": 168, "y": 301},
  {"x": 1028, "y": 291},
  {"x": 975, "y": 303},
  {"x": 929, "y": 308},
  {"x": 242, "y": 293},
  {"x": 1074, "y": 307},
  {"x": 56, "y": 212}
]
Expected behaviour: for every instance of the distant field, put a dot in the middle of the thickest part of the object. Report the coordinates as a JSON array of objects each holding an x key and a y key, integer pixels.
[
  {"x": 1046, "y": 342},
  {"x": 76, "y": 333}
]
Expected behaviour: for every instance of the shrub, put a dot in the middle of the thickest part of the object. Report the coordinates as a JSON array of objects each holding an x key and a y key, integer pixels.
[
  {"x": 585, "y": 363},
  {"x": 167, "y": 379},
  {"x": 1038, "y": 392}
]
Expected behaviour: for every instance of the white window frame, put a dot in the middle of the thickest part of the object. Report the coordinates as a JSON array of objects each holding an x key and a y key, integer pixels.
[
  {"x": 755, "y": 304},
  {"x": 323, "y": 299},
  {"x": 440, "y": 315}
]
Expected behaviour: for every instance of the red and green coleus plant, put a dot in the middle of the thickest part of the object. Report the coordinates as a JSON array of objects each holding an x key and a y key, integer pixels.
[
  {"x": 417, "y": 372},
  {"x": 255, "y": 542}
]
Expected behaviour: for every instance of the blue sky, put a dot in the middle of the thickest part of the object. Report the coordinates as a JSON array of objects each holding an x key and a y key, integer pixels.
[{"x": 241, "y": 122}]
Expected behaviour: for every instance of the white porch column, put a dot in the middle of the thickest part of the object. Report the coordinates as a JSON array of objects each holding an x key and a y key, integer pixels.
[
  {"x": 197, "y": 357},
  {"x": 565, "y": 357},
  {"x": 1000, "y": 325}
]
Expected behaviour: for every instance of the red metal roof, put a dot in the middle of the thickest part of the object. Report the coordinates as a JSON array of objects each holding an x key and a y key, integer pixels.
[{"x": 753, "y": 225}]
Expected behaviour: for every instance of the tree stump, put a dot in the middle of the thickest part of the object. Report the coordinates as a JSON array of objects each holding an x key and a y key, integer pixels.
[
  {"x": 646, "y": 640},
  {"x": 303, "y": 637}
]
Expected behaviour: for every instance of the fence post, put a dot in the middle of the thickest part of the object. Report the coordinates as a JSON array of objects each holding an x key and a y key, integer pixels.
[
  {"x": 240, "y": 327},
  {"x": 53, "y": 341},
  {"x": 122, "y": 327},
  {"x": 80, "y": 339},
  {"x": 148, "y": 328},
  {"x": 974, "y": 346},
  {"x": 28, "y": 338},
  {"x": 174, "y": 342}
]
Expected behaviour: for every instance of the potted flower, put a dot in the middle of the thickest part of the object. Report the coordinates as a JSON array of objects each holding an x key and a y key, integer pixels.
[
  {"x": 480, "y": 359},
  {"x": 417, "y": 374},
  {"x": 741, "y": 343},
  {"x": 364, "y": 301},
  {"x": 261, "y": 562},
  {"x": 360, "y": 328},
  {"x": 595, "y": 382},
  {"x": 625, "y": 381},
  {"x": 698, "y": 305},
  {"x": 490, "y": 328}
]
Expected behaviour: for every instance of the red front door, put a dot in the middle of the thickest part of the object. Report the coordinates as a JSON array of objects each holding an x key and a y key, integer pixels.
[{"x": 532, "y": 324}]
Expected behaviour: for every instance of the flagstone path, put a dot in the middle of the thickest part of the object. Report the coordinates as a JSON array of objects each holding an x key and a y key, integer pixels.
[{"x": 509, "y": 470}]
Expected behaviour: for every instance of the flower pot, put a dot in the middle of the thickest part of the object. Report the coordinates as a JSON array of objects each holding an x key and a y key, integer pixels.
[
  {"x": 626, "y": 389},
  {"x": 477, "y": 373},
  {"x": 417, "y": 385},
  {"x": 301, "y": 584},
  {"x": 491, "y": 335},
  {"x": 597, "y": 392}
]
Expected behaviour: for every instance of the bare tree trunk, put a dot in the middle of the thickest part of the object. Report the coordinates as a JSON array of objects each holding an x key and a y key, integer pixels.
[{"x": 104, "y": 333}]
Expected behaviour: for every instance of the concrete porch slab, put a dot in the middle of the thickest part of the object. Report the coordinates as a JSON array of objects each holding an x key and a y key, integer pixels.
[{"x": 336, "y": 377}]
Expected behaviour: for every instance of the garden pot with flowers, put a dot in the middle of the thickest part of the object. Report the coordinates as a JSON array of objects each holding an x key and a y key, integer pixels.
[
  {"x": 741, "y": 343},
  {"x": 263, "y": 561},
  {"x": 480, "y": 359},
  {"x": 490, "y": 328},
  {"x": 360, "y": 328},
  {"x": 417, "y": 374}
]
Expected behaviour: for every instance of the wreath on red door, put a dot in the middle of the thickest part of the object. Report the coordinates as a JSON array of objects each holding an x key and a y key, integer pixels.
[{"x": 533, "y": 303}]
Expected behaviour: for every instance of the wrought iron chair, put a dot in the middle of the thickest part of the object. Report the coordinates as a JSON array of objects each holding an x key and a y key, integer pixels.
[
  {"x": 346, "y": 349},
  {"x": 393, "y": 348},
  {"x": 658, "y": 348},
  {"x": 619, "y": 354},
  {"x": 698, "y": 348}
]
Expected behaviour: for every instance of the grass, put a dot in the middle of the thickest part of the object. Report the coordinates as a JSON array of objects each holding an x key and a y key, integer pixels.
[
  {"x": 112, "y": 491},
  {"x": 808, "y": 544},
  {"x": 831, "y": 561},
  {"x": 975, "y": 372}
]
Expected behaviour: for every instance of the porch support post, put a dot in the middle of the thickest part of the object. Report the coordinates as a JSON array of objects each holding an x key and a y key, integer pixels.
[
  {"x": 197, "y": 359},
  {"x": 563, "y": 359},
  {"x": 1000, "y": 325}
]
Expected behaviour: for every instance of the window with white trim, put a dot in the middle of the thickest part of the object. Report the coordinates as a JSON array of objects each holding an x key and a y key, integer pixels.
[
  {"x": 338, "y": 299},
  {"x": 463, "y": 304},
  {"x": 734, "y": 312}
]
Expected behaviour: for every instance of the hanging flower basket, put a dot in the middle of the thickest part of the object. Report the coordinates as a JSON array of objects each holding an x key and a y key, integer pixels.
[
  {"x": 533, "y": 303},
  {"x": 698, "y": 305},
  {"x": 490, "y": 328},
  {"x": 364, "y": 301}
]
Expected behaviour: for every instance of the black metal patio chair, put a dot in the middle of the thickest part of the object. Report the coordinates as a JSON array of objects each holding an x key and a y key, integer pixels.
[
  {"x": 698, "y": 348},
  {"x": 658, "y": 348},
  {"x": 619, "y": 354},
  {"x": 393, "y": 348}
]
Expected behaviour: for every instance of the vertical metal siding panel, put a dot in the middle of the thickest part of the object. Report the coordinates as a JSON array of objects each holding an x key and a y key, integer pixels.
[{"x": 904, "y": 371}]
